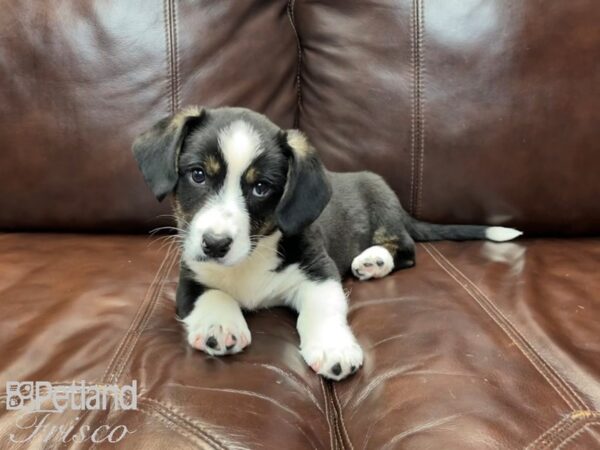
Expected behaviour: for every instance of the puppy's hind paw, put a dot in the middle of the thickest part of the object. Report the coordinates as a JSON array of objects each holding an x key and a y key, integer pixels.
[{"x": 374, "y": 262}]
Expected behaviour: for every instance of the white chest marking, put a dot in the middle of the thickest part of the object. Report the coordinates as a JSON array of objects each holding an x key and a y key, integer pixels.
[{"x": 254, "y": 282}]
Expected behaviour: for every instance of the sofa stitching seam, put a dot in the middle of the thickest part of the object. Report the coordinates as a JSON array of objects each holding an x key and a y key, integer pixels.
[
  {"x": 170, "y": 14},
  {"x": 144, "y": 320},
  {"x": 341, "y": 416},
  {"x": 326, "y": 403},
  {"x": 507, "y": 327},
  {"x": 171, "y": 413},
  {"x": 125, "y": 353},
  {"x": 126, "y": 337},
  {"x": 176, "y": 418},
  {"x": 576, "y": 433},
  {"x": 421, "y": 56},
  {"x": 292, "y": 18},
  {"x": 136, "y": 319},
  {"x": 548, "y": 435},
  {"x": 564, "y": 425},
  {"x": 175, "y": 39},
  {"x": 169, "y": 56},
  {"x": 336, "y": 418},
  {"x": 411, "y": 204},
  {"x": 339, "y": 442},
  {"x": 338, "y": 435},
  {"x": 574, "y": 396},
  {"x": 544, "y": 364},
  {"x": 417, "y": 139}
]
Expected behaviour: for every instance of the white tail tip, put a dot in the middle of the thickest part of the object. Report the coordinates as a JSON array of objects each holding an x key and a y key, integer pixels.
[{"x": 501, "y": 234}]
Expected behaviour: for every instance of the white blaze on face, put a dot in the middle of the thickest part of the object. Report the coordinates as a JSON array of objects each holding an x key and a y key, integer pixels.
[{"x": 226, "y": 212}]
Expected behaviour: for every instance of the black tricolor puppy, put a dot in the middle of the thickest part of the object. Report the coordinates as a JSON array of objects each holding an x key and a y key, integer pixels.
[{"x": 264, "y": 224}]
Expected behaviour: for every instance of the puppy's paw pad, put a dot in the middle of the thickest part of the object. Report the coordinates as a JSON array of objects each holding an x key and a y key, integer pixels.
[
  {"x": 212, "y": 342},
  {"x": 198, "y": 343},
  {"x": 225, "y": 339},
  {"x": 230, "y": 341},
  {"x": 334, "y": 360},
  {"x": 374, "y": 262}
]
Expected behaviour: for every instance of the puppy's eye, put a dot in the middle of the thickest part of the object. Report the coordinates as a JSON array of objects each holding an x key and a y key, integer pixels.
[
  {"x": 261, "y": 189},
  {"x": 198, "y": 176}
]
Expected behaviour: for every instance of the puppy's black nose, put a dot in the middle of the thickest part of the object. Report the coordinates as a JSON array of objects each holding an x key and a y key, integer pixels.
[{"x": 216, "y": 245}]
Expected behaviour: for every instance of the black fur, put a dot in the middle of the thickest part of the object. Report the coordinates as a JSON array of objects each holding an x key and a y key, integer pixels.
[
  {"x": 270, "y": 167},
  {"x": 156, "y": 152},
  {"x": 307, "y": 250},
  {"x": 306, "y": 194},
  {"x": 188, "y": 291},
  {"x": 326, "y": 218},
  {"x": 423, "y": 231},
  {"x": 189, "y": 196},
  {"x": 364, "y": 211}
]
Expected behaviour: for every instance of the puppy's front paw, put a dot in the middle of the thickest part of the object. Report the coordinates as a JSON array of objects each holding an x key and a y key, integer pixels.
[
  {"x": 374, "y": 262},
  {"x": 217, "y": 327},
  {"x": 223, "y": 338},
  {"x": 334, "y": 355}
]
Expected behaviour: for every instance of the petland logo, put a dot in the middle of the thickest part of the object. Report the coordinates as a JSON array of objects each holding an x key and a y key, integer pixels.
[
  {"x": 40, "y": 399},
  {"x": 41, "y": 396}
]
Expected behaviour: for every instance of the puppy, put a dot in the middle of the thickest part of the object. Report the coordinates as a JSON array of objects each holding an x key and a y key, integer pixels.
[{"x": 262, "y": 224}]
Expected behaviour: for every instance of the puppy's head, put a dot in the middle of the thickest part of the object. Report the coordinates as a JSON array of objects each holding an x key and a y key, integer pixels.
[{"x": 236, "y": 178}]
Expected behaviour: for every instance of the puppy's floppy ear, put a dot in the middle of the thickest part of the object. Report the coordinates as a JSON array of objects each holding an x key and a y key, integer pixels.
[
  {"x": 307, "y": 190},
  {"x": 157, "y": 149}
]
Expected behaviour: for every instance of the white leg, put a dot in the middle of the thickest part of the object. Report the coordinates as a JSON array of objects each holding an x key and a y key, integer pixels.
[
  {"x": 326, "y": 341},
  {"x": 374, "y": 262},
  {"x": 216, "y": 325}
]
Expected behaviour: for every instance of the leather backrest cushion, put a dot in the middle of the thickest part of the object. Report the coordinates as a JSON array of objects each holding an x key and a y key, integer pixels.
[
  {"x": 476, "y": 111},
  {"x": 79, "y": 80}
]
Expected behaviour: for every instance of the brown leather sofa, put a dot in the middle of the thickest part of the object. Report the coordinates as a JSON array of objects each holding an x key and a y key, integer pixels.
[{"x": 475, "y": 111}]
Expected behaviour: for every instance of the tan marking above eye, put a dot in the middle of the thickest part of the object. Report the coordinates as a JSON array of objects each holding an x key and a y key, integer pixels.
[
  {"x": 251, "y": 175},
  {"x": 212, "y": 166}
]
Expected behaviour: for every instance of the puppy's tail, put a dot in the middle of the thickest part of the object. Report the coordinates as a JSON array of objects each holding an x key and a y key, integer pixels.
[{"x": 424, "y": 231}]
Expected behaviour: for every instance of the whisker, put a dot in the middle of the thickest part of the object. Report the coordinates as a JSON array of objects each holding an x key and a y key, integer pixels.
[
  {"x": 167, "y": 228},
  {"x": 171, "y": 239},
  {"x": 176, "y": 218}
]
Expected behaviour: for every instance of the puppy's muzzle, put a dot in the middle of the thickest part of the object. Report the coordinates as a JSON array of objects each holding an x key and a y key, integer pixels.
[{"x": 216, "y": 245}]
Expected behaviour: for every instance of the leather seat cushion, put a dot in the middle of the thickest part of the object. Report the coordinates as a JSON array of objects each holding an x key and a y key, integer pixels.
[{"x": 480, "y": 345}]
